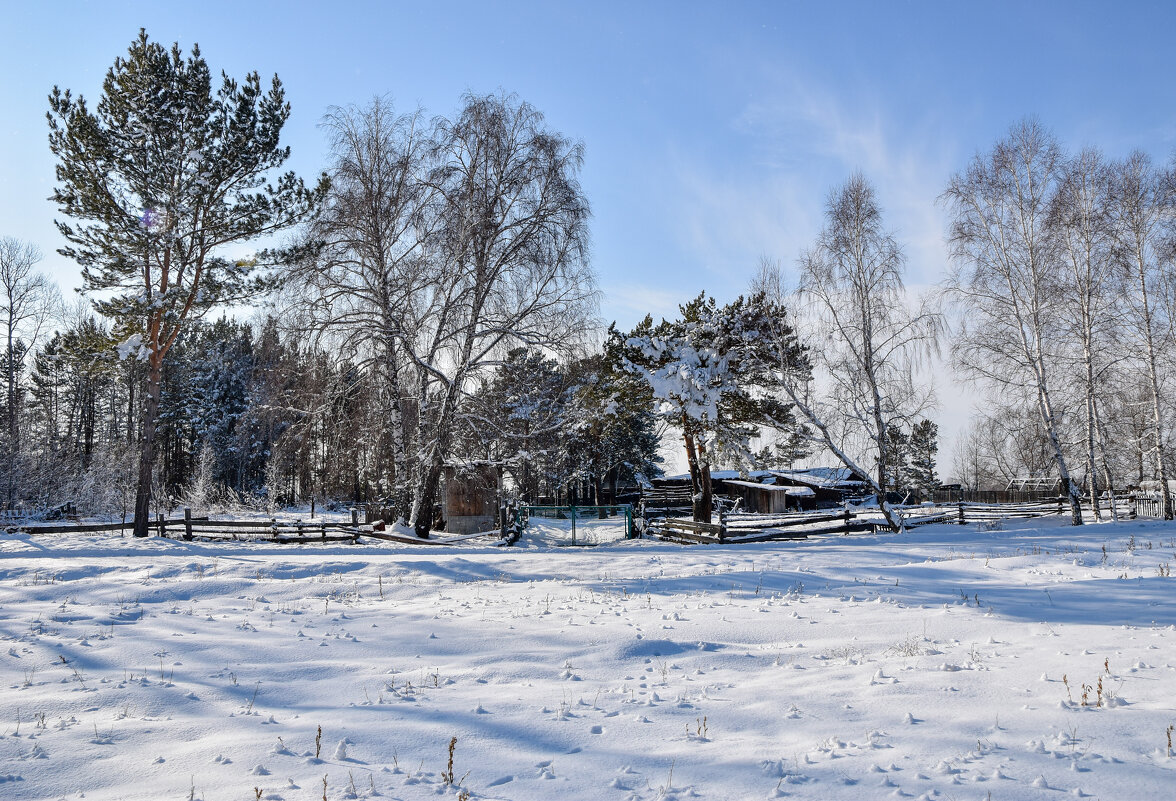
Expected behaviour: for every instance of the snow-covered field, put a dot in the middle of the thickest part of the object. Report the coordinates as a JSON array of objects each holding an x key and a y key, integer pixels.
[{"x": 948, "y": 663}]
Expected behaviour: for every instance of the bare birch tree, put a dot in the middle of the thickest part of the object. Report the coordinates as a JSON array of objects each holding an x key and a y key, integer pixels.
[
  {"x": 27, "y": 300},
  {"x": 442, "y": 247},
  {"x": 370, "y": 283},
  {"x": 866, "y": 337},
  {"x": 1080, "y": 217},
  {"x": 512, "y": 262},
  {"x": 1143, "y": 209},
  {"x": 1004, "y": 275}
]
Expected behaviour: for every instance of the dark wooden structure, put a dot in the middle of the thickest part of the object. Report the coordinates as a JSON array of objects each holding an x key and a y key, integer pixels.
[
  {"x": 769, "y": 498},
  {"x": 471, "y": 498}
]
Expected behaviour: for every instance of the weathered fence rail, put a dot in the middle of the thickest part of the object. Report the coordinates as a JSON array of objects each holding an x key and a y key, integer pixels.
[
  {"x": 268, "y": 530},
  {"x": 747, "y": 527},
  {"x": 189, "y": 527},
  {"x": 952, "y": 496},
  {"x": 91, "y": 528},
  {"x": 682, "y": 530}
]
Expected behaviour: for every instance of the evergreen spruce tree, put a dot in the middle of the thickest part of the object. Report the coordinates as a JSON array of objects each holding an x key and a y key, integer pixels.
[
  {"x": 518, "y": 416},
  {"x": 159, "y": 179},
  {"x": 612, "y": 432},
  {"x": 796, "y": 446},
  {"x": 713, "y": 373},
  {"x": 897, "y": 458},
  {"x": 924, "y": 447}
]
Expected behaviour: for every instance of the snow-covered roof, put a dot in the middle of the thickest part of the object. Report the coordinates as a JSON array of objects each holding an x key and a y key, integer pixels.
[
  {"x": 822, "y": 477},
  {"x": 794, "y": 491},
  {"x": 720, "y": 475},
  {"x": 827, "y": 477}
]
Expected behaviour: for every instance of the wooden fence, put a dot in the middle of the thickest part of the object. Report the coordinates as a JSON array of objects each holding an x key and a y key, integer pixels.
[
  {"x": 269, "y": 530},
  {"x": 738, "y": 528},
  {"x": 945, "y": 496},
  {"x": 666, "y": 502},
  {"x": 731, "y": 528},
  {"x": 1147, "y": 506},
  {"x": 747, "y": 527},
  {"x": 204, "y": 528}
]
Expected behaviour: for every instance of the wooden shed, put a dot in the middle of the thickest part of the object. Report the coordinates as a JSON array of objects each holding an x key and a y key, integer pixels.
[
  {"x": 471, "y": 498},
  {"x": 769, "y": 498},
  {"x": 830, "y": 485}
]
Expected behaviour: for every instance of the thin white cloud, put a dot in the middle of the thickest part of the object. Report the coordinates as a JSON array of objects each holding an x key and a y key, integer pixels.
[
  {"x": 628, "y": 303},
  {"x": 807, "y": 140}
]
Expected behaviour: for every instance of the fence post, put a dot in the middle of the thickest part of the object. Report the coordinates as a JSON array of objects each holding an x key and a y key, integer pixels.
[
  {"x": 160, "y": 521},
  {"x": 573, "y": 508},
  {"x": 1059, "y": 504},
  {"x": 312, "y": 507},
  {"x": 354, "y": 517},
  {"x": 845, "y": 525},
  {"x": 961, "y": 513},
  {"x": 187, "y": 522}
]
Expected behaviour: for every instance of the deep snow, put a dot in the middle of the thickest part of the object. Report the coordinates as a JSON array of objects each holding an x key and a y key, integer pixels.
[{"x": 925, "y": 665}]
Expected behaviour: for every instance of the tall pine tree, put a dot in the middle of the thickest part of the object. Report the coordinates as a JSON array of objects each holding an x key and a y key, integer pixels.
[{"x": 160, "y": 179}]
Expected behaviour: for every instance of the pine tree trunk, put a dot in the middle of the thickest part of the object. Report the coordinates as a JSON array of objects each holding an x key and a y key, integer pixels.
[
  {"x": 147, "y": 447},
  {"x": 705, "y": 498},
  {"x": 695, "y": 474},
  {"x": 706, "y": 501},
  {"x": 131, "y": 382}
]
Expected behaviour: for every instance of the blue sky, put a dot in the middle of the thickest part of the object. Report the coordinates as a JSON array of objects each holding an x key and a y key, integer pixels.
[{"x": 713, "y": 131}]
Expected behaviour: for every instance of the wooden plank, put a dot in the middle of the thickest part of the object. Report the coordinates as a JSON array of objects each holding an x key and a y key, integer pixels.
[
  {"x": 232, "y": 534},
  {"x": 777, "y": 522},
  {"x": 768, "y": 535},
  {"x": 690, "y": 538},
  {"x": 683, "y": 537},
  {"x": 384, "y": 535},
  {"x": 693, "y": 526},
  {"x": 943, "y": 517},
  {"x": 240, "y": 523},
  {"x": 281, "y": 540},
  {"x": 88, "y": 528}
]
